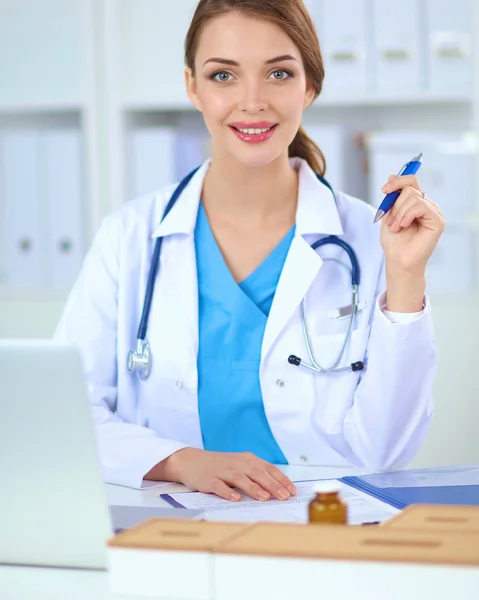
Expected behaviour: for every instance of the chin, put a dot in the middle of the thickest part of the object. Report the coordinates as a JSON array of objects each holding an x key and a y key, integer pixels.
[{"x": 257, "y": 157}]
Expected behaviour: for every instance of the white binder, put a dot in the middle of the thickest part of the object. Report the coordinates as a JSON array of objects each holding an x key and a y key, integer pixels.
[
  {"x": 22, "y": 252},
  {"x": 398, "y": 65},
  {"x": 344, "y": 157},
  {"x": 449, "y": 45},
  {"x": 63, "y": 199},
  {"x": 343, "y": 30},
  {"x": 151, "y": 160},
  {"x": 192, "y": 149}
]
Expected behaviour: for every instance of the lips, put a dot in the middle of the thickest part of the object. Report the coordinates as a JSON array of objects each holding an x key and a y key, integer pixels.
[{"x": 253, "y": 132}]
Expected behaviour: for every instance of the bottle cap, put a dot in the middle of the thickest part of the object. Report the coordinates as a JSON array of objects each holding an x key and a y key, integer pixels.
[{"x": 326, "y": 487}]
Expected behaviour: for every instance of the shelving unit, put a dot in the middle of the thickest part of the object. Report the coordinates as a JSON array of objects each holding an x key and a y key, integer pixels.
[
  {"x": 48, "y": 67},
  {"x": 112, "y": 65}
]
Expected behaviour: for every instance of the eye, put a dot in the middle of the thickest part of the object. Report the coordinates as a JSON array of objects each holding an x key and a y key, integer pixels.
[
  {"x": 281, "y": 74},
  {"x": 221, "y": 76}
]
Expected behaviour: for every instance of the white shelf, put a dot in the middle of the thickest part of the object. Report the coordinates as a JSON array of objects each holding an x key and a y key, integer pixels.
[
  {"x": 329, "y": 101},
  {"x": 41, "y": 108},
  {"x": 419, "y": 99}
]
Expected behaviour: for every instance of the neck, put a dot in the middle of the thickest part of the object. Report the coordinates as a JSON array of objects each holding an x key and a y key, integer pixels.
[{"x": 237, "y": 193}]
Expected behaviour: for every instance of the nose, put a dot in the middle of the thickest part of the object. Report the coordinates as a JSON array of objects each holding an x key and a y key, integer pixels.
[{"x": 253, "y": 97}]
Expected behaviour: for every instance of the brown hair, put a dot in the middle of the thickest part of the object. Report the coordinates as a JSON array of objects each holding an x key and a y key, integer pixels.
[{"x": 294, "y": 19}]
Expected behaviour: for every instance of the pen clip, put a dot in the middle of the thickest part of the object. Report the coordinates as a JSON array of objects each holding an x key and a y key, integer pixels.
[
  {"x": 414, "y": 159},
  {"x": 403, "y": 168}
]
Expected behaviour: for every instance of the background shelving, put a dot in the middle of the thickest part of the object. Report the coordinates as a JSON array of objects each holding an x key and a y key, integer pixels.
[{"x": 113, "y": 70}]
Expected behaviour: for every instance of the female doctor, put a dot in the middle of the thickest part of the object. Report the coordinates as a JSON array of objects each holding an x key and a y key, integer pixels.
[{"x": 223, "y": 404}]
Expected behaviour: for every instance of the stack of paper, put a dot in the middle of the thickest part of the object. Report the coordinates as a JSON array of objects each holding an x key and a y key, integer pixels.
[{"x": 362, "y": 507}]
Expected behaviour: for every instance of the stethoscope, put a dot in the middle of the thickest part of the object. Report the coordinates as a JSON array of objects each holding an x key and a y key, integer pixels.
[{"x": 139, "y": 360}]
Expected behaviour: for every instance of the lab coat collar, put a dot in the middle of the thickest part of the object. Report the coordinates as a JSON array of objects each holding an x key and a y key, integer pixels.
[
  {"x": 316, "y": 213},
  {"x": 182, "y": 217}
]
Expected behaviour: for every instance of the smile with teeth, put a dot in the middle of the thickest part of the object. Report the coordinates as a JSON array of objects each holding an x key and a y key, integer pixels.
[{"x": 253, "y": 131}]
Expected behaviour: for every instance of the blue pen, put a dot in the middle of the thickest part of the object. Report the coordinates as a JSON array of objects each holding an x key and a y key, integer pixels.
[{"x": 410, "y": 168}]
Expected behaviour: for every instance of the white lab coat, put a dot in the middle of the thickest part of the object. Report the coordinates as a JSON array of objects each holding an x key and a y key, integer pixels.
[{"x": 375, "y": 418}]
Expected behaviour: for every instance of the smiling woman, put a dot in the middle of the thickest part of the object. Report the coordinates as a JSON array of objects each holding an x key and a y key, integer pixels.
[
  {"x": 243, "y": 249},
  {"x": 298, "y": 73}
]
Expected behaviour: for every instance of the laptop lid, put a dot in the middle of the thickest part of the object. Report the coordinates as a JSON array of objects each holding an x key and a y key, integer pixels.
[{"x": 53, "y": 505}]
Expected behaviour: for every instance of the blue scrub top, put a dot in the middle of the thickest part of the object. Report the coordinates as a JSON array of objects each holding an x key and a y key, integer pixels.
[{"x": 232, "y": 318}]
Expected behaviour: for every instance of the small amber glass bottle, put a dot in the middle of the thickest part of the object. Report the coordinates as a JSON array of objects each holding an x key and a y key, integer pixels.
[{"x": 327, "y": 507}]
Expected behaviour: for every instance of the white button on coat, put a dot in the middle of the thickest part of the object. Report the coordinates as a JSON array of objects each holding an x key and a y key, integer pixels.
[{"x": 375, "y": 418}]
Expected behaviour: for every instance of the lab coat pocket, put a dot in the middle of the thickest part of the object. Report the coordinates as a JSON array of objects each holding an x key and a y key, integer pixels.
[{"x": 335, "y": 391}]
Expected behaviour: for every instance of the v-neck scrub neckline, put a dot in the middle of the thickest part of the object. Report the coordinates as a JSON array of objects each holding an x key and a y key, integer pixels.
[{"x": 232, "y": 318}]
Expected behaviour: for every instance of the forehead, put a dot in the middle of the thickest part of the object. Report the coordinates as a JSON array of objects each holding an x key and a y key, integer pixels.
[{"x": 244, "y": 38}]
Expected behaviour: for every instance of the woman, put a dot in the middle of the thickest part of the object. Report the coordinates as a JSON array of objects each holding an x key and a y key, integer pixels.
[{"x": 222, "y": 404}]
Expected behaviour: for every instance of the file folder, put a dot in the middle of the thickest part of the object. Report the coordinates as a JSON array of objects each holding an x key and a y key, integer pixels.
[
  {"x": 398, "y": 64},
  {"x": 21, "y": 244},
  {"x": 449, "y": 39},
  {"x": 151, "y": 162},
  {"x": 344, "y": 31},
  {"x": 63, "y": 202},
  {"x": 446, "y": 485}
]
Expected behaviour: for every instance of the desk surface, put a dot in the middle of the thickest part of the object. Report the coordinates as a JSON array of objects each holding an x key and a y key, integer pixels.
[{"x": 27, "y": 583}]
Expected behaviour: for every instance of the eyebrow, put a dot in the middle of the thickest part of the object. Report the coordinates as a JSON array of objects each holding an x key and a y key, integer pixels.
[{"x": 233, "y": 63}]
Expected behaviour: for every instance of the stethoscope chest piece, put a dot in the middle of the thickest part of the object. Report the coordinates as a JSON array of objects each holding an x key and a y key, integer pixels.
[{"x": 140, "y": 359}]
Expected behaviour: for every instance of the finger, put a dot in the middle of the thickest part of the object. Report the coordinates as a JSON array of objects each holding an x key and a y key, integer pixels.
[
  {"x": 408, "y": 197},
  {"x": 240, "y": 480},
  {"x": 404, "y": 203},
  {"x": 268, "y": 475},
  {"x": 399, "y": 182},
  {"x": 420, "y": 211},
  {"x": 219, "y": 487},
  {"x": 262, "y": 477},
  {"x": 282, "y": 479},
  {"x": 433, "y": 205}
]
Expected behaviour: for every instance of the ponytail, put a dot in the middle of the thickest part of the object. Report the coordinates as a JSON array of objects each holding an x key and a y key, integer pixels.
[{"x": 304, "y": 147}]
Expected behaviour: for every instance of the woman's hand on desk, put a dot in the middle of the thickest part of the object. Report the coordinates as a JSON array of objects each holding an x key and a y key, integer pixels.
[{"x": 219, "y": 472}]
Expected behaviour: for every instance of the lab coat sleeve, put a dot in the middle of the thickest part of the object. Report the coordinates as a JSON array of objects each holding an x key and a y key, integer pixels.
[
  {"x": 393, "y": 402},
  {"x": 89, "y": 321}
]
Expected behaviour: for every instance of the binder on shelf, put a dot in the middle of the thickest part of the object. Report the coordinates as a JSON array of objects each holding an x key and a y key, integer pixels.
[
  {"x": 22, "y": 256},
  {"x": 398, "y": 66},
  {"x": 63, "y": 198},
  {"x": 343, "y": 150},
  {"x": 449, "y": 45},
  {"x": 343, "y": 31},
  {"x": 192, "y": 149},
  {"x": 152, "y": 159},
  {"x": 457, "y": 485}
]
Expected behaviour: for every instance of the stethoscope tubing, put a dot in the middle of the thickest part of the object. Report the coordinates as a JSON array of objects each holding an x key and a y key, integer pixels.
[{"x": 140, "y": 359}]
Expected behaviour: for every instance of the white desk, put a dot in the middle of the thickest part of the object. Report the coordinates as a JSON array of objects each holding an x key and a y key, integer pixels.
[{"x": 26, "y": 583}]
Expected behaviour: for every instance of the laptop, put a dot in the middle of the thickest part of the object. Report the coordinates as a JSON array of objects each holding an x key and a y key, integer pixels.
[{"x": 53, "y": 506}]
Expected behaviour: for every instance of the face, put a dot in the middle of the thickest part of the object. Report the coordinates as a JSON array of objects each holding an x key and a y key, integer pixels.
[{"x": 251, "y": 87}]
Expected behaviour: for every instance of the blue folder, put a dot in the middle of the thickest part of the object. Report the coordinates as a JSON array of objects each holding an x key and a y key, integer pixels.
[{"x": 444, "y": 485}]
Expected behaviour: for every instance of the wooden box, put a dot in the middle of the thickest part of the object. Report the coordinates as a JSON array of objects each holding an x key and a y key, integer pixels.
[{"x": 170, "y": 559}]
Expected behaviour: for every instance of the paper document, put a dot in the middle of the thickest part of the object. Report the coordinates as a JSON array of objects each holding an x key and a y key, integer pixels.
[{"x": 362, "y": 507}]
